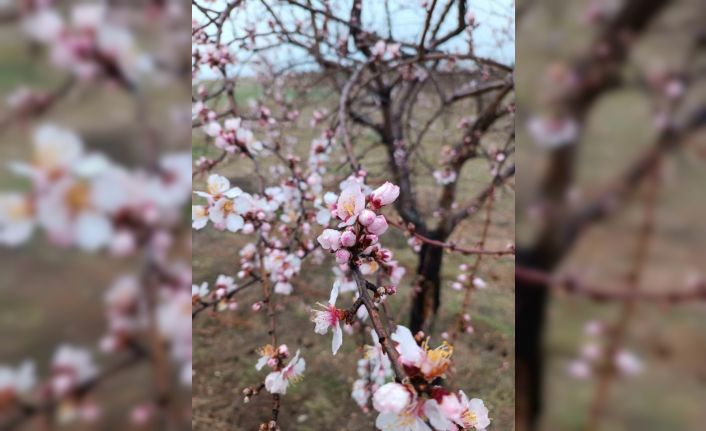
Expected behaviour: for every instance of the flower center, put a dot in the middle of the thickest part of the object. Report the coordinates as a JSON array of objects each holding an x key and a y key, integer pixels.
[
  {"x": 19, "y": 211},
  {"x": 349, "y": 206},
  {"x": 469, "y": 418},
  {"x": 77, "y": 197}
]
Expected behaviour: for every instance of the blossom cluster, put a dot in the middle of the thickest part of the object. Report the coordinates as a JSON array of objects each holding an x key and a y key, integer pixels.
[
  {"x": 418, "y": 400},
  {"x": 356, "y": 240},
  {"x": 70, "y": 368},
  {"x": 356, "y": 244},
  {"x": 223, "y": 288},
  {"x": 83, "y": 199},
  {"x": 592, "y": 353},
  {"x": 374, "y": 370},
  {"x": 89, "y": 44}
]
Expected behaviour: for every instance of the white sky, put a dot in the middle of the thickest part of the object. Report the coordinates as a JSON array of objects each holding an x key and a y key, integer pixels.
[{"x": 494, "y": 38}]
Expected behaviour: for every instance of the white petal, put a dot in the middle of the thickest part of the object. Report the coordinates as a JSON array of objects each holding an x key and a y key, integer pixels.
[
  {"x": 334, "y": 292},
  {"x": 92, "y": 231},
  {"x": 337, "y": 338},
  {"x": 234, "y": 222}
]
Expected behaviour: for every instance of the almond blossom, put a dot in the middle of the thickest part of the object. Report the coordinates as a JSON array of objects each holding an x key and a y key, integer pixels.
[
  {"x": 411, "y": 418},
  {"x": 448, "y": 412},
  {"x": 350, "y": 203},
  {"x": 277, "y": 382},
  {"x": 18, "y": 381},
  {"x": 217, "y": 187},
  {"x": 199, "y": 216},
  {"x": 71, "y": 367},
  {"x": 17, "y": 221},
  {"x": 330, "y": 317},
  {"x": 430, "y": 363},
  {"x": 269, "y": 355}
]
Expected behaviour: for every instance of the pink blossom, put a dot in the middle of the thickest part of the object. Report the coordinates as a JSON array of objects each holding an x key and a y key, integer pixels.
[
  {"x": 350, "y": 203},
  {"x": 277, "y": 381},
  {"x": 452, "y": 411},
  {"x": 384, "y": 195},
  {"x": 330, "y": 317}
]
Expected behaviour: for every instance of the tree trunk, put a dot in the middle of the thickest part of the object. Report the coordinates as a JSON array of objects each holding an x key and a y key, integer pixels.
[
  {"x": 530, "y": 312},
  {"x": 427, "y": 296}
]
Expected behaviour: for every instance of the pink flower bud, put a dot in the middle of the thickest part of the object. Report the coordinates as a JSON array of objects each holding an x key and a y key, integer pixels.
[
  {"x": 379, "y": 226},
  {"x": 256, "y": 306},
  {"x": 343, "y": 256},
  {"x": 248, "y": 228},
  {"x": 348, "y": 239},
  {"x": 384, "y": 195},
  {"x": 366, "y": 217},
  {"x": 330, "y": 239}
]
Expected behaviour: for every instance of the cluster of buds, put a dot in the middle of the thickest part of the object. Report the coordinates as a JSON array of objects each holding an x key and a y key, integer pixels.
[
  {"x": 466, "y": 280},
  {"x": 382, "y": 49},
  {"x": 356, "y": 240},
  {"x": 233, "y": 137},
  {"x": 419, "y": 400},
  {"x": 212, "y": 56},
  {"x": 223, "y": 288},
  {"x": 592, "y": 353}
]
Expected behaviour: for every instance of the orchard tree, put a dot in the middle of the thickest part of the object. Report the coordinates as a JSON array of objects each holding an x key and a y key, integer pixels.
[{"x": 397, "y": 99}]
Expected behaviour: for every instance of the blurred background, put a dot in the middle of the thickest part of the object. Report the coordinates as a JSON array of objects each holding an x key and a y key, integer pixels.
[
  {"x": 82, "y": 347},
  {"x": 290, "y": 103},
  {"x": 611, "y": 232}
]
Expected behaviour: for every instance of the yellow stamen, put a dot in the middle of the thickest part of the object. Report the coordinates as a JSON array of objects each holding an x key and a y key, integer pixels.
[
  {"x": 469, "y": 418},
  {"x": 78, "y": 197}
]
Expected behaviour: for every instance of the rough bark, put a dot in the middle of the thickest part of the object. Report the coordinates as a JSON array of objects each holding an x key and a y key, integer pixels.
[{"x": 427, "y": 297}]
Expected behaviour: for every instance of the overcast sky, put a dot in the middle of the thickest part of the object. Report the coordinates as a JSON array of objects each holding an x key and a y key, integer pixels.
[{"x": 494, "y": 37}]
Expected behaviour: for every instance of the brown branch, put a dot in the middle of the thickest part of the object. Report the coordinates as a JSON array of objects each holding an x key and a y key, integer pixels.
[
  {"x": 378, "y": 325},
  {"x": 569, "y": 284}
]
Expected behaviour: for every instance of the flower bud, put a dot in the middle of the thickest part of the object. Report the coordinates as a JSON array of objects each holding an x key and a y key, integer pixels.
[
  {"x": 391, "y": 398},
  {"x": 348, "y": 239},
  {"x": 366, "y": 217},
  {"x": 343, "y": 256},
  {"x": 330, "y": 239},
  {"x": 378, "y": 226},
  {"x": 384, "y": 195},
  {"x": 479, "y": 283}
]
